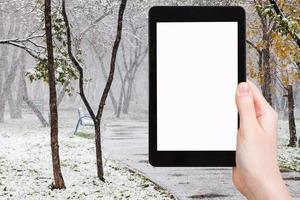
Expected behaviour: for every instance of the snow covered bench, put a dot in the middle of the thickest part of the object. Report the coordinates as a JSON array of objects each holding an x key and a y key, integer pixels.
[{"x": 83, "y": 120}]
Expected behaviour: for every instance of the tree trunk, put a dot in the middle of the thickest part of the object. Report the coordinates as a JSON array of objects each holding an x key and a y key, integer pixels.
[
  {"x": 26, "y": 99},
  {"x": 292, "y": 125},
  {"x": 121, "y": 97},
  {"x": 100, "y": 172},
  {"x": 19, "y": 99},
  {"x": 58, "y": 178},
  {"x": 265, "y": 54},
  {"x": 3, "y": 57},
  {"x": 36, "y": 111},
  {"x": 104, "y": 73},
  {"x": 122, "y": 92},
  {"x": 21, "y": 87},
  {"x": 96, "y": 118},
  {"x": 128, "y": 96},
  {"x": 11, "y": 104},
  {"x": 3, "y": 66},
  {"x": 62, "y": 94},
  {"x": 6, "y": 91},
  {"x": 107, "y": 88},
  {"x": 2, "y": 109},
  {"x": 111, "y": 94},
  {"x": 267, "y": 71}
]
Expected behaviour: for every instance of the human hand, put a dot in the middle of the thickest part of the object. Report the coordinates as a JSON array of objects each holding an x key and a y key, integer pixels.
[{"x": 257, "y": 174}]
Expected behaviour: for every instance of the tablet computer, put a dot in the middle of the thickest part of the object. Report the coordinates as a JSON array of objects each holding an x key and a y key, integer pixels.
[{"x": 196, "y": 57}]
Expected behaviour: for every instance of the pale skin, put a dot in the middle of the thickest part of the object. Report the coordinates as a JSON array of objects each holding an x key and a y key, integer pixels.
[{"x": 257, "y": 174}]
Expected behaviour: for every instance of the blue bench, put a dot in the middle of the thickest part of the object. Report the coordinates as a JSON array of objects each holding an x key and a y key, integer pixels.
[{"x": 84, "y": 120}]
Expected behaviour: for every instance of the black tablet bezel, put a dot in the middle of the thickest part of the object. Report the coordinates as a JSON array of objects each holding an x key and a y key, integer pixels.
[{"x": 189, "y": 14}]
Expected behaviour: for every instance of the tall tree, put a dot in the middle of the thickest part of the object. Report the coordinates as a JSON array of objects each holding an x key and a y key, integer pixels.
[
  {"x": 292, "y": 125},
  {"x": 58, "y": 178},
  {"x": 4, "y": 66},
  {"x": 267, "y": 27},
  {"x": 96, "y": 117},
  {"x": 287, "y": 50}
]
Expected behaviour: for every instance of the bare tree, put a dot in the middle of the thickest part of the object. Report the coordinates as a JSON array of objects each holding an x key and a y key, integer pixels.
[
  {"x": 4, "y": 82},
  {"x": 105, "y": 76},
  {"x": 58, "y": 178},
  {"x": 267, "y": 26},
  {"x": 292, "y": 125},
  {"x": 27, "y": 100},
  {"x": 97, "y": 117},
  {"x": 289, "y": 94},
  {"x": 136, "y": 59}
]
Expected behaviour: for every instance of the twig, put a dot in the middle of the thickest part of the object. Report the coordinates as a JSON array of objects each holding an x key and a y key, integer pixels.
[
  {"x": 76, "y": 63},
  {"x": 278, "y": 12}
]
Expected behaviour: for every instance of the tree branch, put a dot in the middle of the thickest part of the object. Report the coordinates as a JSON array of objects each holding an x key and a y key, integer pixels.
[
  {"x": 76, "y": 63},
  {"x": 113, "y": 59},
  {"x": 20, "y": 44},
  {"x": 278, "y": 12},
  {"x": 86, "y": 29},
  {"x": 27, "y": 39},
  {"x": 27, "y": 49},
  {"x": 253, "y": 46}
]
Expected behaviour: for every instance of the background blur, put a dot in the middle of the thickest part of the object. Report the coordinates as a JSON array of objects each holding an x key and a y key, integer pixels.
[{"x": 273, "y": 62}]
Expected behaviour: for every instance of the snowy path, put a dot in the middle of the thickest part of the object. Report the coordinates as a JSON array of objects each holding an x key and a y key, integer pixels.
[{"x": 127, "y": 141}]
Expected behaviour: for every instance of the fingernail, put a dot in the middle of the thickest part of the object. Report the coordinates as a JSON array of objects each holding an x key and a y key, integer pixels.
[{"x": 243, "y": 89}]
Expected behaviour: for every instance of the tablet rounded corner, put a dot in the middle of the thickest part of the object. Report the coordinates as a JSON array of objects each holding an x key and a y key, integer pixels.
[
  {"x": 152, "y": 161},
  {"x": 152, "y": 10},
  {"x": 241, "y": 10}
]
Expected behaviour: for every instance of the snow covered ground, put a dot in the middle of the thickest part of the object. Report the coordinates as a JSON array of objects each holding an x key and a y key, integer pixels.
[
  {"x": 288, "y": 157},
  {"x": 26, "y": 172}
]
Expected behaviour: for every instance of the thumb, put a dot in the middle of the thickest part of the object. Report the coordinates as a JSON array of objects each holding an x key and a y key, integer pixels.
[{"x": 245, "y": 105}]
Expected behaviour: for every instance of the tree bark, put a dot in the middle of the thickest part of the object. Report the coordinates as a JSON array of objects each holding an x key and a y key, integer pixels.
[
  {"x": 104, "y": 73},
  {"x": 58, "y": 178},
  {"x": 100, "y": 172},
  {"x": 96, "y": 118},
  {"x": 26, "y": 99},
  {"x": 21, "y": 89},
  {"x": 6, "y": 91},
  {"x": 128, "y": 95},
  {"x": 11, "y": 104},
  {"x": 108, "y": 86},
  {"x": 292, "y": 125},
  {"x": 122, "y": 92},
  {"x": 136, "y": 59},
  {"x": 265, "y": 54},
  {"x": 62, "y": 94},
  {"x": 2, "y": 109},
  {"x": 111, "y": 94},
  {"x": 20, "y": 95},
  {"x": 120, "y": 102},
  {"x": 267, "y": 71},
  {"x": 36, "y": 111},
  {"x": 4, "y": 65},
  {"x": 3, "y": 62},
  {"x": 10, "y": 80}
]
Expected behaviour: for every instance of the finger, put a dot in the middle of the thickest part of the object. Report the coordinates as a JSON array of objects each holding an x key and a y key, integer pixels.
[
  {"x": 265, "y": 114},
  {"x": 245, "y": 105},
  {"x": 260, "y": 103}
]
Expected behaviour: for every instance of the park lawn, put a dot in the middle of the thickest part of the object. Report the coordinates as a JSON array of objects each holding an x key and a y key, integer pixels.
[
  {"x": 288, "y": 157},
  {"x": 26, "y": 172}
]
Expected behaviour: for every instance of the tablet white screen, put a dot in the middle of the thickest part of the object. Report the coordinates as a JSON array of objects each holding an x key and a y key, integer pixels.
[{"x": 196, "y": 82}]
